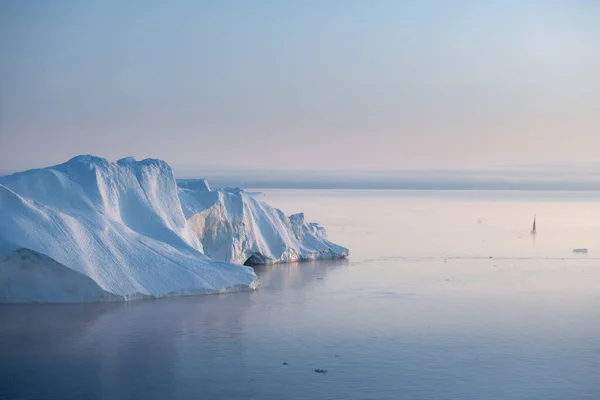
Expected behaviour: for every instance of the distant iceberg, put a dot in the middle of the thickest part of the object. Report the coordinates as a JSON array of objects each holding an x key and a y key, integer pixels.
[
  {"x": 234, "y": 226},
  {"x": 200, "y": 185},
  {"x": 94, "y": 230}
]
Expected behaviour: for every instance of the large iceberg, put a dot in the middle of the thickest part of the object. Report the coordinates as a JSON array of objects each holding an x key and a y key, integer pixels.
[
  {"x": 95, "y": 230},
  {"x": 234, "y": 226}
]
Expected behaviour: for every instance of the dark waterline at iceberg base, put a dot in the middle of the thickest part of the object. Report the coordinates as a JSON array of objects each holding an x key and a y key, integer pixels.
[{"x": 419, "y": 313}]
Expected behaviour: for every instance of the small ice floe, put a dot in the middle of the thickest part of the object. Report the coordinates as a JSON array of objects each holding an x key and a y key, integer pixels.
[
  {"x": 320, "y": 371},
  {"x": 584, "y": 251}
]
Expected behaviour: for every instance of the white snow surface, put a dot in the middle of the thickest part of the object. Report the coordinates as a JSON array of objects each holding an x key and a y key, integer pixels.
[
  {"x": 233, "y": 226},
  {"x": 120, "y": 225}
]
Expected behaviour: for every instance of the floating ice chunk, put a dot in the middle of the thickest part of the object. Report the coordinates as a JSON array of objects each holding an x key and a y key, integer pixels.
[{"x": 580, "y": 251}]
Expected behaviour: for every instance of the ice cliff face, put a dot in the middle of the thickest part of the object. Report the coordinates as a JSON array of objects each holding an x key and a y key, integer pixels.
[
  {"x": 233, "y": 226},
  {"x": 117, "y": 229}
]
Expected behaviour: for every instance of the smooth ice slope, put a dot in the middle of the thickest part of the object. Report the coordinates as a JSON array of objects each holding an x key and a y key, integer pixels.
[
  {"x": 119, "y": 224},
  {"x": 27, "y": 276},
  {"x": 234, "y": 226}
]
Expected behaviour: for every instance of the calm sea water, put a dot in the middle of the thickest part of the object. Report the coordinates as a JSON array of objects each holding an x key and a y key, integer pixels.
[{"x": 446, "y": 295}]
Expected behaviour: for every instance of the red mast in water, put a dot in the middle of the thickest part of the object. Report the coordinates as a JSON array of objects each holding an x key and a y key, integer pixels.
[{"x": 533, "y": 231}]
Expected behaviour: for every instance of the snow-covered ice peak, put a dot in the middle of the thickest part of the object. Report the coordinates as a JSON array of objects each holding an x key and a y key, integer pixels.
[
  {"x": 126, "y": 160},
  {"x": 297, "y": 218}
]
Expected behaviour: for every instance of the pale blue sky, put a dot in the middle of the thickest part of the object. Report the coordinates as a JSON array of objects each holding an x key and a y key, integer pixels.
[{"x": 338, "y": 84}]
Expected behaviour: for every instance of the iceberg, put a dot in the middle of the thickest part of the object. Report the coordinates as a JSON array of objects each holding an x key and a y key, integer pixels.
[
  {"x": 236, "y": 227},
  {"x": 94, "y": 230},
  {"x": 200, "y": 185}
]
